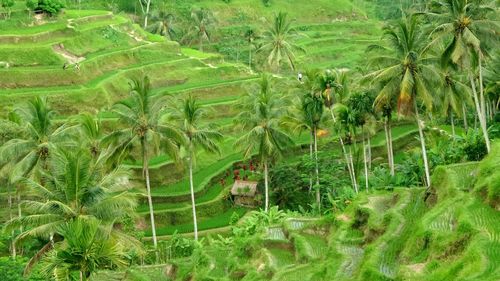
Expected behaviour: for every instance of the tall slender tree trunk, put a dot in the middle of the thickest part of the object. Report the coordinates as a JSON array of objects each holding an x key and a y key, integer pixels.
[
  {"x": 388, "y": 139},
  {"x": 344, "y": 151},
  {"x": 11, "y": 216},
  {"x": 19, "y": 211},
  {"x": 311, "y": 145},
  {"x": 355, "y": 182},
  {"x": 318, "y": 195},
  {"x": 480, "y": 113},
  {"x": 464, "y": 112},
  {"x": 145, "y": 164},
  {"x": 481, "y": 88},
  {"x": 452, "y": 121},
  {"x": 146, "y": 14},
  {"x": 369, "y": 152},
  {"x": 193, "y": 203},
  {"x": 266, "y": 185},
  {"x": 365, "y": 158},
  {"x": 422, "y": 142}
]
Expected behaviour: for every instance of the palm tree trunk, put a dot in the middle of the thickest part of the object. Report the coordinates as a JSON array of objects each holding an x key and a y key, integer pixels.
[
  {"x": 266, "y": 185},
  {"x": 36, "y": 258},
  {"x": 481, "y": 88},
  {"x": 318, "y": 195},
  {"x": 422, "y": 142},
  {"x": 13, "y": 245},
  {"x": 148, "y": 4},
  {"x": 464, "y": 112},
  {"x": 19, "y": 211},
  {"x": 480, "y": 114},
  {"x": 344, "y": 151},
  {"x": 201, "y": 44},
  {"x": 311, "y": 144},
  {"x": 392, "y": 149},
  {"x": 191, "y": 185},
  {"x": 365, "y": 158},
  {"x": 369, "y": 152},
  {"x": 388, "y": 139},
  {"x": 145, "y": 164},
  {"x": 452, "y": 125},
  {"x": 351, "y": 162}
]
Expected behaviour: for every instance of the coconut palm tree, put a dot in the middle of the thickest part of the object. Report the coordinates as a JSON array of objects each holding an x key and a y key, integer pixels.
[
  {"x": 467, "y": 29},
  {"x": 201, "y": 25},
  {"x": 32, "y": 148},
  {"x": 163, "y": 24},
  {"x": 250, "y": 37},
  {"x": 87, "y": 247},
  {"x": 361, "y": 104},
  {"x": 405, "y": 73},
  {"x": 140, "y": 116},
  {"x": 74, "y": 186},
  {"x": 454, "y": 97},
  {"x": 306, "y": 115},
  {"x": 346, "y": 121},
  {"x": 277, "y": 43},
  {"x": 189, "y": 114},
  {"x": 260, "y": 121},
  {"x": 335, "y": 90}
]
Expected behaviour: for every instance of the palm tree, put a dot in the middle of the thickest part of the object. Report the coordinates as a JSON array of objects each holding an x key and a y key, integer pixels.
[
  {"x": 87, "y": 247},
  {"x": 335, "y": 90},
  {"x": 140, "y": 116},
  {"x": 455, "y": 96},
  {"x": 346, "y": 119},
  {"x": 32, "y": 148},
  {"x": 260, "y": 118},
  {"x": 189, "y": 114},
  {"x": 277, "y": 43},
  {"x": 163, "y": 24},
  {"x": 472, "y": 32},
  {"x": 250, "y": 37},
  {"x": 74, "y": 186},
  {"x": 306, "y": 115},
  {"x": 405, "y": 73},
  {"x": 362, "y": 106},
  {"x": 201, "y": 25},
  {"x": 90, "y": 133}
]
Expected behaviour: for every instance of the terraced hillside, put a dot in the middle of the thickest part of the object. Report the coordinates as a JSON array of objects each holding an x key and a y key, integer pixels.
[
  {"x": 83, "y": 60},
  {"x": 449, "y": 232}
]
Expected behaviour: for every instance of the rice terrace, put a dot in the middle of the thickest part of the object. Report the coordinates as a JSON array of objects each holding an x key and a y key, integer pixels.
[{"x": 250, "y": 140}]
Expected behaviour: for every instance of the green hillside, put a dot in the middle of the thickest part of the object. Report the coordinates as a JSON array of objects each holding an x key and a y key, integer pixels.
[
  {"x": 448, "y": 232},
  {"x": 249, "y": 140}
]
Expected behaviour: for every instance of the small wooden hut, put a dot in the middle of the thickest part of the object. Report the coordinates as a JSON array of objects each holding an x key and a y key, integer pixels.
[{"x": 244, "y": 192}]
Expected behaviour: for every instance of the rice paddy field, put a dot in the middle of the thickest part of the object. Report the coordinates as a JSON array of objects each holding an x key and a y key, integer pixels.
[{"x": 83, "y": 60}]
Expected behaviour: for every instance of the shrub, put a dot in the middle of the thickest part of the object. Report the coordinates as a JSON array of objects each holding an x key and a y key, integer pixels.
[
  {"x": 474, "y": 146},
  {"x": 50, "y": 7}
]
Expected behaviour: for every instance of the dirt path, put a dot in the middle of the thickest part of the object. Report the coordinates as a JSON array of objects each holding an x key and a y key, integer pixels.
[
  {"x": 70, "y": 58},
  {"x": 132, "y": 35}
]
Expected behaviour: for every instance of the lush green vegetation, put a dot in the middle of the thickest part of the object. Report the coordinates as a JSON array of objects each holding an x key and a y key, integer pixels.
[{"x": 362, "y": 139}]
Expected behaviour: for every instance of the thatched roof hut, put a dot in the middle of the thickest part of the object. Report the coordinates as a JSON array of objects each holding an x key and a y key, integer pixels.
[
  {"x": 244, "y": 188},
  {"x": 244, "y": 192}
]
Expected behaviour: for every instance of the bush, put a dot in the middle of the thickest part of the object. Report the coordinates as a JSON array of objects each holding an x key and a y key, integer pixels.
[
  {"x": 50, "y": 7},
  {"x": 474, "y": 146}
]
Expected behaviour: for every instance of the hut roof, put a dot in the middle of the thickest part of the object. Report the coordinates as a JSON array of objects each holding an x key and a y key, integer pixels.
[{"x": 244, "y": 188}]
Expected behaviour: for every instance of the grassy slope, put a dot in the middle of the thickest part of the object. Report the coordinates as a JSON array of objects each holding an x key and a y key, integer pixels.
[{"x": 401, "y": 235}]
